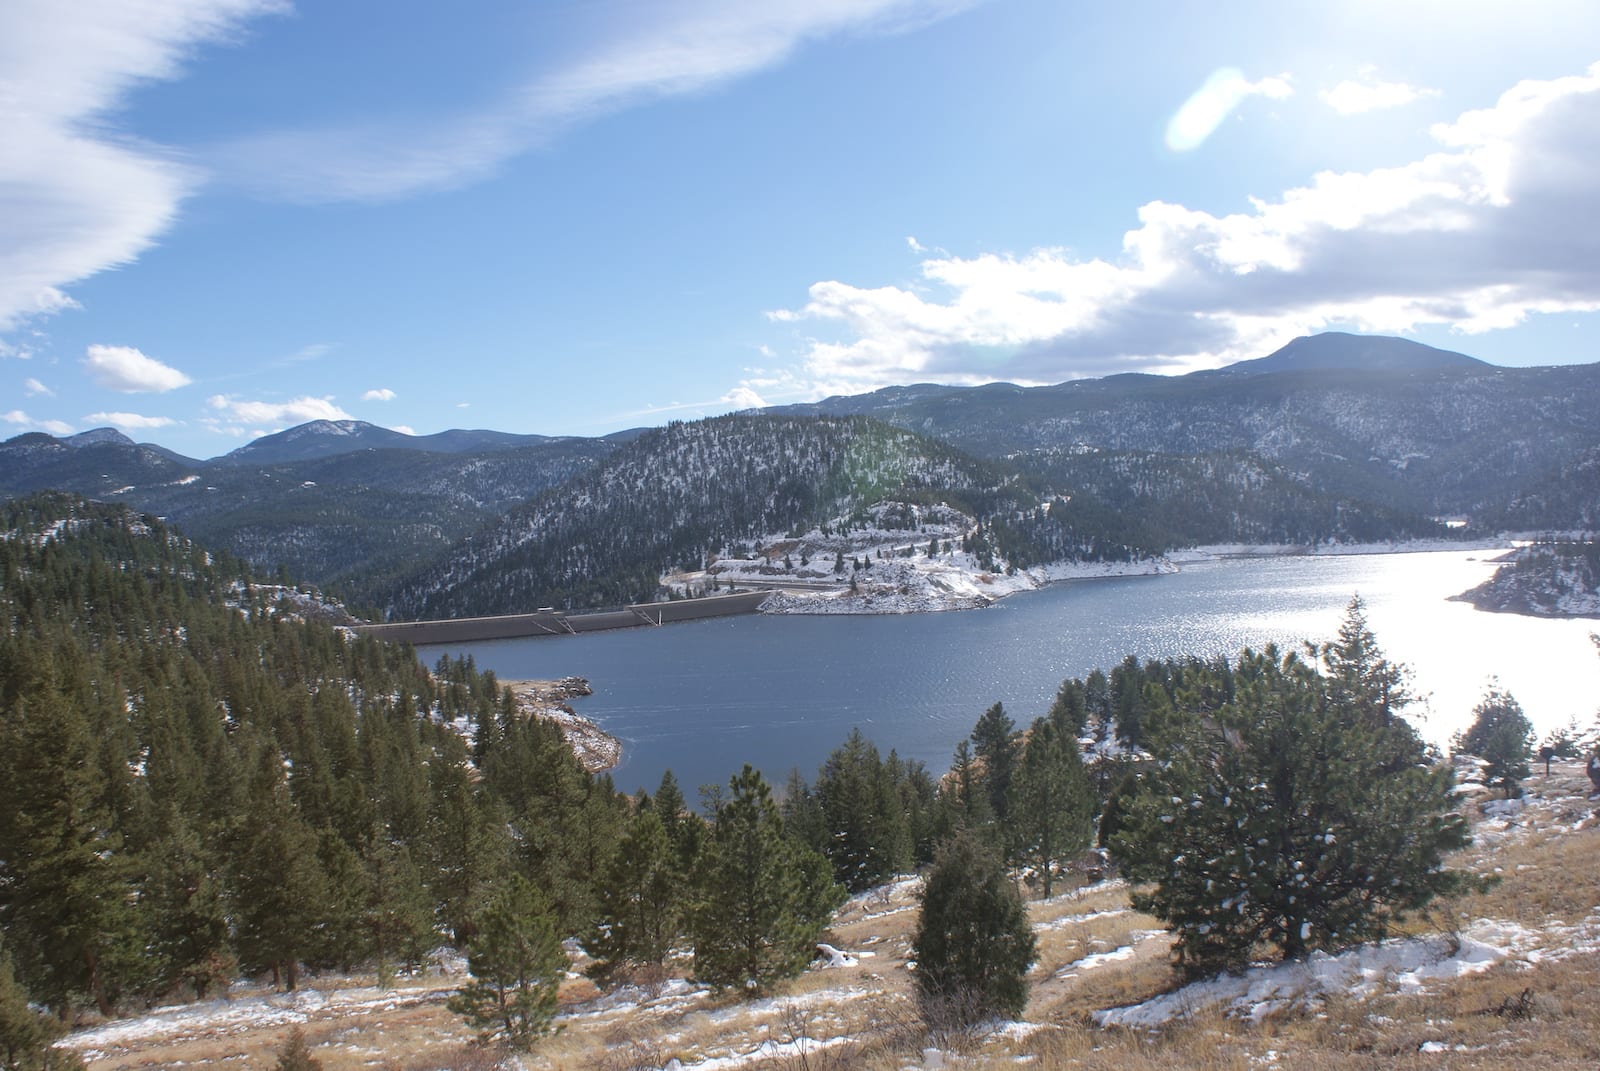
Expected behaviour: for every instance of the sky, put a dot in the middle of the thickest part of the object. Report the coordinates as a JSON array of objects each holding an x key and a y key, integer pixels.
[{"x": 222, "y": 218}]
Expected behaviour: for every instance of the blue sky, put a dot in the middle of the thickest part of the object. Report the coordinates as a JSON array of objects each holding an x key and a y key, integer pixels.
[{"x": 220, "y": 218}]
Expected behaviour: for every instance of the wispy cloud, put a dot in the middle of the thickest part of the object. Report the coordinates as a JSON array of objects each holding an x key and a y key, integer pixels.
[
  {"x": 381, "y": 394},
  {"x": 129, "y": 420},
  {"x": 79, "y": 197},
  {"x": 1481, "y": 233},
  {"x": 17, "y": 418},
  {"x": 125, "y": 369},
  {"x": 668, "y": 49},
  {"x": 33, "y": 388}
]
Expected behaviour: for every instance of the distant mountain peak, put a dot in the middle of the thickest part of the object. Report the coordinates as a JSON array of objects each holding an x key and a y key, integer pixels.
[
  {"x": 327, "y": 438},
  {"x": 95, "y": 436},
  {"x": 1342, "y": 351}
]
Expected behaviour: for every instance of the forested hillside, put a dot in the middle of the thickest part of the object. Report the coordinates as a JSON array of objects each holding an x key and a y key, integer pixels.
[
  {"x": 199, "y": 784},
  {"x": 680, "y": 493},
  {"x": 1453, "y": 436},
  {"x": 351, "y": 521}
]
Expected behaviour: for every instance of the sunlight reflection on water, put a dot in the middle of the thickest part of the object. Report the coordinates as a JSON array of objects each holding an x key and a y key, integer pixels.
[{"x": 780, "y": 692}]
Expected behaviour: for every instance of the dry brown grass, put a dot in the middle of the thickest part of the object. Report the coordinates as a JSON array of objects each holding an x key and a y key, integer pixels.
[{"x": 1539, "y": 1015}]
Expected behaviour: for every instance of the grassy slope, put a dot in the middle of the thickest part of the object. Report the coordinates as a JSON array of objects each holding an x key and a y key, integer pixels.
[{"x": 1536, "y": 1009}]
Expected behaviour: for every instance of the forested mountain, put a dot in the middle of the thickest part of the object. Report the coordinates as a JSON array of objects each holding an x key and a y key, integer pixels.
[
  {"x": 1382, "y": 420},
  {"x": 327, "y": 438},
  {"x": 679, "y": 493},
  {"x": 351, "y": 520},
  {"x": 1334, "y": 437},
  {"x": 1158, "y": 502},
  {"x": 198, "y": 783}
]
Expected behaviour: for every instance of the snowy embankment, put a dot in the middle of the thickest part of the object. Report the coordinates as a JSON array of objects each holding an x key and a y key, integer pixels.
[
  {"x": 1404, "y": 965},
  {"x": 898, "y": 558},
  {"x": 1214, "y": 551},
  {"x": 955, "y": 583}
]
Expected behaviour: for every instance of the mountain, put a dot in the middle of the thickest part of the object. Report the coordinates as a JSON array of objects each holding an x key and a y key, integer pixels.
[
  {"x": 1339, "y": 351},
  {"x": 676, "y": 494},
  {"x": 1401, "y": 425},
  {"x": 350, "y": 520},
  {"x": 327, "y": 438}
]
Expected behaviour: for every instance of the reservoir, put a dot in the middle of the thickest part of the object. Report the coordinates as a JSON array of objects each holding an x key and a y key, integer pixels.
[{"x": 780, "y": 692}]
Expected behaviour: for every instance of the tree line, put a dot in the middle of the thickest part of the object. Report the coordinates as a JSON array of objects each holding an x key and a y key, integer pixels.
[{"x": 201, "y": 785}]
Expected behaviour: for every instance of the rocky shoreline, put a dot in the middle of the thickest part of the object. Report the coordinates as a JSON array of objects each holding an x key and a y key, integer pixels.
[{"x": 596, "y": 749}]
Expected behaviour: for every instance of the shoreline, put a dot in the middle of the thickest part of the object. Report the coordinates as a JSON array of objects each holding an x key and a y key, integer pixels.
[{"x": 596, "y": 749}]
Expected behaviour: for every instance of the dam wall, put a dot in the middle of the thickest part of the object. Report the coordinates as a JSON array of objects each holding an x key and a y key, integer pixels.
[{"x": 556, "y": 623}]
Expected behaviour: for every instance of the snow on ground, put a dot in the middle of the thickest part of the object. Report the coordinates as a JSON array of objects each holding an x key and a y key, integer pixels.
[
  {"x": 240, "y": 1014},
  {"x": 1408, "y": 965}
]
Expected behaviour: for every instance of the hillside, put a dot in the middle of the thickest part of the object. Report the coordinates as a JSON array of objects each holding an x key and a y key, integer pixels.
[
  {"x": 1508, "y": 984},
  {"x": 680, "y": 495},
  {"x": 1334, "y": 439},
  {"x": 1413, "y": 429},
  {"x": 1544, "y": 580},
  {"x": 350, "y": 520}
]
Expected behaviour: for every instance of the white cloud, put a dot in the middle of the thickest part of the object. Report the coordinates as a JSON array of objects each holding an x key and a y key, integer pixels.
[
  {"x": 403, "y": 429},
  {"x": 129, "y": 420},
  {"x": 743, "y": 397},
  {"x": 32, "y": 388},
  {"x": 667, "y": 50},
  {"x": 78, "y": 196},
  {"x": 1353, "y": 98},
  {"x": 125, "y": 369},
  {"x": 23, "y": 420},
  {"x": 1214, "y": 101},
  {"x": 279, "y": 414},
  {"x": 381, "y": 394},
  {"x": 1487, "y": 230}
]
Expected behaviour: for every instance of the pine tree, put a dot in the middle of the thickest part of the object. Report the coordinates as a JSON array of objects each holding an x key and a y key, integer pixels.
[
  {"x": 641, "y": 900},
  {"x": 516, "y": 962},
  {"x": 763, "y": 899},
  {"x": 1291, "y": 816},
  {"x": 63, "y": 877},
  {"x": 865, "y": 835},
  {"x": 1502, "y": 736},
  {"x": 1050, "y": 806},
  {"x": 973, "y": 944},
  {"x": 994, "y": 743},
  {"x": 25, "y": 1035},
  {"x": 279, "y": 890},
  {"x": 398, "y": 915},
  {"x": 295, "y": 1053}
]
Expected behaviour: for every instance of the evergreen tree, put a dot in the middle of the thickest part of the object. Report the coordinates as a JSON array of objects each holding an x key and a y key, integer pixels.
[
  {"x": 516, "y": 962},
  {"x": 763, "y": 898},
  {"x": 973, "y": 944},
  {"x": 398, "y": 915},
  {"x": 25, "y": 1035},
  {"x": 279, "y": 890},
  {"x": 1358, "y": 676},
  {"x": 1291, "y": 817},
  {"x": 865, "y": 835},
  {"x": 641, "y": 900},
  {"x": 295, "y": 1053},
  {"x": 994, "y": 743},
  {"x": 186, "y": 916},
  {"x": 1502, "y": 736},
  {"x": 1050, "y": 806},
  {"x": 63, "y": 880}
]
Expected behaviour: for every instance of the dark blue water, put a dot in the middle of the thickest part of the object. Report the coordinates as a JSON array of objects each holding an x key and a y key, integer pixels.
[{"x": 781, "y": 692}]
